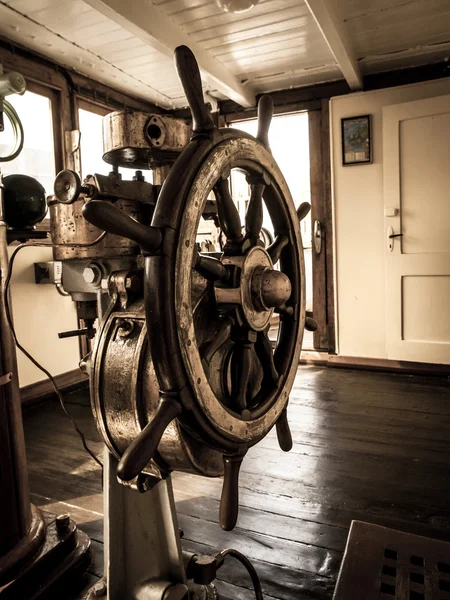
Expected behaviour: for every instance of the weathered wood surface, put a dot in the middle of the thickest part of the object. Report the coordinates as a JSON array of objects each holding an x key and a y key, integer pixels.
[{"x": 367, "y": 446}]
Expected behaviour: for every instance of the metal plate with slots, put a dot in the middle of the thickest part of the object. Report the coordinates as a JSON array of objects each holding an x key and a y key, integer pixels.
[{"x": 385, "y": 564}]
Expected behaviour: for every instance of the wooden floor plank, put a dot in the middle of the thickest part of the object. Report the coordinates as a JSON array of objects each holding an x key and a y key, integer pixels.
[{"x": 367, "y": 446}]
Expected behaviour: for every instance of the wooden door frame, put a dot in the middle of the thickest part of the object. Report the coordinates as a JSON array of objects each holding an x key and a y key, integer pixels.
[{"x": 322, "y": 210}]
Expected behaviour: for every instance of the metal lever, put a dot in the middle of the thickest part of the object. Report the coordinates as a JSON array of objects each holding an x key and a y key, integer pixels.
[
  {"x": 143, "y": 447},
  {"x": 88, "y": 331},
  {"x": 394, "y": 235},
  {"x": 189, "y": 74},
  {"x": 106, "y": 216}
]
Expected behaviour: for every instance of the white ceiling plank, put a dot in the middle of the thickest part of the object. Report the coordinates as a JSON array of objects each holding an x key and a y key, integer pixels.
[
  {"x": 149, "y": 23},
  {"x": 18, "y": 28},
  {"x": 332, "y": 28}
]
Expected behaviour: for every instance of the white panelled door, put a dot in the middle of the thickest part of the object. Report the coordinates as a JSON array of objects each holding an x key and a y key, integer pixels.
[{"x": 416, "y": 180}]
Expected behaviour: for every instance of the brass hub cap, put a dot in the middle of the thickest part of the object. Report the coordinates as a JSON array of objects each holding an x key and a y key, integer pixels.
[{"x": 261, "y": 288}]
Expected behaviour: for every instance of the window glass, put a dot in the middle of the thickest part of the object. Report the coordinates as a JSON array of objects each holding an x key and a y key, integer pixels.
[
  {"x": 37, "y": 158},
  {"x": 289, "y": 142},
  {"x": 92, "y": 148}
]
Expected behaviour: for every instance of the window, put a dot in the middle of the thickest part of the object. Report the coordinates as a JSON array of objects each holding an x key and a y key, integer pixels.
[
  {"x": 37, "y": 158},
  {"x": 289, "y": 142},
  {"x": 91, "y": 147}
]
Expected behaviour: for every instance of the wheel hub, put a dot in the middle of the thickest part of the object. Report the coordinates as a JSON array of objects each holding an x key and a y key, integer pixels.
[{"x": 260, "y": 289}]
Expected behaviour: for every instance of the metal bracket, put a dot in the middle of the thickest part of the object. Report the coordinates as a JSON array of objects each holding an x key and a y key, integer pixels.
[
  {"x": 72, "y": 141},
  {"x": 211, "y": 101},
  {"x": 317, "y": 236},
  {"x": 48, "y": 272}
]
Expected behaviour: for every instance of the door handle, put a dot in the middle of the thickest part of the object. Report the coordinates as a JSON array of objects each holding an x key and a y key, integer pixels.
[
  {"x": 391, "y": 237},
  {"x": 317, "y": 235}
]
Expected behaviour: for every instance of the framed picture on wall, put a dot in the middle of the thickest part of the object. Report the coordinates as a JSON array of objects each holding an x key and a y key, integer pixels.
[{"x": 356, "y": 140}]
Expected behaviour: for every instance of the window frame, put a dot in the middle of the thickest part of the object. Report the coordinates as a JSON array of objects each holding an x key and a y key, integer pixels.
[
  {"x": 55, "y": 104},
  {"x": 58, "y": 148},
  {"x": 67, "y": 91}
]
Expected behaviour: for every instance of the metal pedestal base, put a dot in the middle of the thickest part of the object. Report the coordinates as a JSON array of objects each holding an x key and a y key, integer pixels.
[
  {"x": 143, "y": 556},
  {"x": 64, "y": 554}
]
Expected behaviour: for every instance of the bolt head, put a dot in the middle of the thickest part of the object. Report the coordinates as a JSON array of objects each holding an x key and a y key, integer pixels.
[
  {"x": 62, "y": 523},
  {"x": 93, "y": 274},
  {"x": 89, "y": 275}
]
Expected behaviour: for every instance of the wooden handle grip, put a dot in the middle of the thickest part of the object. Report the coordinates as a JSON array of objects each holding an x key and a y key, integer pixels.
[
  {"x": 303, "y": 210},
  {"x": 189, "y": 74},
  {"x": 106, "y": 216},
  {"x": 311, "y": 324},
  {"x": 143, "y": 447},
  {"x": 229, "y": 501},
  {"x": 284, "y": 432},
  {"x": 265, "y": 114}
]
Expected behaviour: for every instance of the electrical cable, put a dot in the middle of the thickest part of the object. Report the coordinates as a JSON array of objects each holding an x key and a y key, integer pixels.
[
  {"x": 24, "y": 351},
  {"x": 220, "y": 556}
]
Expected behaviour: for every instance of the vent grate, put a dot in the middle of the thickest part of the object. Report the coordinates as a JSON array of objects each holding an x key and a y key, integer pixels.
[{"x": 384, "y": 564}]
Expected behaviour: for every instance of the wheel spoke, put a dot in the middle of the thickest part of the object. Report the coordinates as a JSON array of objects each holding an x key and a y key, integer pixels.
[
  {"x": 229, "y": 219},
  {"x": 219, "y": 339},
  {"x": 284, "y": 311},
  {"x": 254, "y": 215},
  {"x": 242, "y": 366},
  {"x": 275, "y": 249},
  {"x": 263, "y": 348},
  {"x": 210, "y": 268}
]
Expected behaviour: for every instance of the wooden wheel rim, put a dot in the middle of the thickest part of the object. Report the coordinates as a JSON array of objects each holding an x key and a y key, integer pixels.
[{"x": 251, "y": 155}]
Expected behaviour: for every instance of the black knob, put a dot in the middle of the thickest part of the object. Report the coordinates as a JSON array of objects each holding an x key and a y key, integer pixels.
[{"x": 24, "y": 199}]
